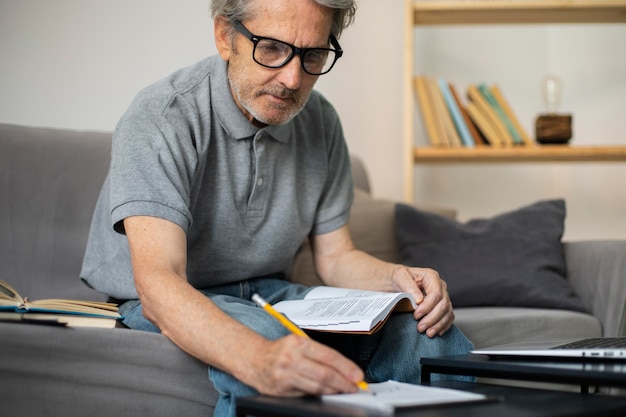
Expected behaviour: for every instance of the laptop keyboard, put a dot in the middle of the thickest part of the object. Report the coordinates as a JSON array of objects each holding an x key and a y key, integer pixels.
[{"x": 596, "y": 343}]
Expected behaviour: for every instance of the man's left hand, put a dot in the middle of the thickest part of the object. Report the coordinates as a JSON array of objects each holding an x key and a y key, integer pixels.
[{"x": 434, "y": 311}]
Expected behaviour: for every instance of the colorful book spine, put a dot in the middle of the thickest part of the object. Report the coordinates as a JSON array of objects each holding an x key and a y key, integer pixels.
[
  {"x": 471, "y": 126},
  {"x": 497, "y": 94},
  {"x": 489, "y": 114},
  {"x": 484, "y": 90},
  {"x": 485, "y": 127},
  {"x": 455, "y": 113}
]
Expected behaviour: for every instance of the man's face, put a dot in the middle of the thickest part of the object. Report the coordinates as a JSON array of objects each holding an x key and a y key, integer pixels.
[{"x": 273, "y": 96}]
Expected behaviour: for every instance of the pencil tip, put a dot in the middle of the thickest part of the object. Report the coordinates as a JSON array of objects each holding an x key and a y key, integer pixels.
[{"x": 364, "y": 387}]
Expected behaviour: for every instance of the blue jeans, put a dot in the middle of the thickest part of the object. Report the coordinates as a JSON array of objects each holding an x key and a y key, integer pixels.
[{"x": 391, "y": 353}]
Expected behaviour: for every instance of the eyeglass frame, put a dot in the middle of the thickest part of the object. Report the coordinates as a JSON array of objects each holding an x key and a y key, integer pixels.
[{"x": 255, "y": 39}]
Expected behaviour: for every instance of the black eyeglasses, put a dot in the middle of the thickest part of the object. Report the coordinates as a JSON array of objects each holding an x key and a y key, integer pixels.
[{"x": 272, "y": 53}]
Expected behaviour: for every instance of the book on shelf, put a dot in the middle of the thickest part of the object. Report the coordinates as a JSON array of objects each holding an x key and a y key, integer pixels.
[
  {"x": 504, "y": 118},
  {"x": 508, "y": 110},
  {"x": 434, "y": 130},
  {"x": 387, "y": 397},
  {"x": 455, "y": 112},
  {"x": 489, "y": 114},
  {"x": 442, "y": 113},
  {"x": 344, "y": 310},
  {"x": 486, "y": 128},
  {"x": 486, "y": 119},
  {"x": 14, "y": 307},
  {"x": 477, "y": 137}
]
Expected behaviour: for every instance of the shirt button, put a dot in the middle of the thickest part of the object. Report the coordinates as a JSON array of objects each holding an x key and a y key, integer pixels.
[{"x": 259, "y": 182}]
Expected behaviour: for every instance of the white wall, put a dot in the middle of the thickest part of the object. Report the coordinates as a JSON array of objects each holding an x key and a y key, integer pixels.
[{"x": 78, "y": 63}]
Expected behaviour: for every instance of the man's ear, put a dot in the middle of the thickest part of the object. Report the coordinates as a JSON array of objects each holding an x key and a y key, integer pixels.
[{"x": 222, "y": 29}]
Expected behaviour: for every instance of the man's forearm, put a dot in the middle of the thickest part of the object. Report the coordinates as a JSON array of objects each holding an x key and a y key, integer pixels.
[
  {"x": 194, "y": 323},
  {"x": 199, "y": 327},
  {"x": 340, "y": 264},
  {"x": 357, "y": 269}
]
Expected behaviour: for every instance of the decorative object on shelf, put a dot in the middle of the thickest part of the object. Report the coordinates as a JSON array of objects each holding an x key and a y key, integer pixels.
[{"x": 553, "y": 128}]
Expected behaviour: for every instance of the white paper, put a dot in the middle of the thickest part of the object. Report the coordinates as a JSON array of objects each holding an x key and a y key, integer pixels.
[{"x": 387, "y": 396}]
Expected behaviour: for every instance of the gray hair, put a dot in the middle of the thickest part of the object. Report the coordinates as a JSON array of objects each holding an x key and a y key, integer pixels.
[{"x": 344, "y": 11}]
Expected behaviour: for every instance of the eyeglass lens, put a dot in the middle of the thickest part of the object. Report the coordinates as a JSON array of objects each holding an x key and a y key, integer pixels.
[{"x": 274, "y": 53}]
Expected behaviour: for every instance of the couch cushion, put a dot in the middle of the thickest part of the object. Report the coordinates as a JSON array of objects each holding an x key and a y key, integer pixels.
[
  {"x": 489, "y": 326},
  {"x": 514, "y": 259},
  {"x": 49, "y": 182},
  {"x": 63, "y": 371}
]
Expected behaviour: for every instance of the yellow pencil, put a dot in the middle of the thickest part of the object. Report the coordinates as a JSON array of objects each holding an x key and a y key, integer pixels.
[
  {"x": 278, "y": 316},
  {"x": 290, "y": 326}
]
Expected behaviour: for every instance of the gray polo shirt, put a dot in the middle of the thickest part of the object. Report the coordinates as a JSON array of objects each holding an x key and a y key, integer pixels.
[{"x": 246, "y": 197}]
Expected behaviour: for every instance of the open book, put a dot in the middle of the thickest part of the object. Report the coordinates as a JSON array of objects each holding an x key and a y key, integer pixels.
[
  {"x": 388, "y": 396},
  {"x": 65, "y": 312},
  {"x": 333, "y": 309}
]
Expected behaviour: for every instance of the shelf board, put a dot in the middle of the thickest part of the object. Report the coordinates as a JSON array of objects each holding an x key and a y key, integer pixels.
[
  {"x": 504, "y": 12},
  {"x": 542, "y": 153}
]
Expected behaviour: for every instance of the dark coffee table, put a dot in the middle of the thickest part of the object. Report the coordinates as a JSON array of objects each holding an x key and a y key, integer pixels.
[
  {"x": 510, "y": 402},
  {"x": 583, "y": 372}
]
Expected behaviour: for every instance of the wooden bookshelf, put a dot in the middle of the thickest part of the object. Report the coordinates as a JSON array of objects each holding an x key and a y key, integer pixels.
[
  {"x": 506, "y": 12},
  {"x": 433, "y": 12},
  {"x": 540, "y": 153}
]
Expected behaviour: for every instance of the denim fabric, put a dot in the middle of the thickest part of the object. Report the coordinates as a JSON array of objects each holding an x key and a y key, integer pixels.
[{"x": 391, "y": 353}]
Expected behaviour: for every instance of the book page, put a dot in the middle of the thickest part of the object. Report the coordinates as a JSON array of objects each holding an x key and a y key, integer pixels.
[
  {"x": 8, "y": 295},
  {"x": 336, "y": 292},
  {"x": 356, "y": 313},
  {"x": 10, "y": 300},
  {"x": 387, "y": 396}
]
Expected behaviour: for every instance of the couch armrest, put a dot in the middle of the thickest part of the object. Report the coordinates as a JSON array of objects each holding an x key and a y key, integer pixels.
[{"x": 597, "y": 271}]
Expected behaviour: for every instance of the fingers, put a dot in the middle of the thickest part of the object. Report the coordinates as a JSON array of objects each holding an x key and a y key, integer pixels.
[
  {"x": 404, "y": 280},
  {"x": 302, "y": 366},
  {"x": 435, "y": 314},
  {"x": 437, "y": 321},
  {"x": 434, "y": 311},
  {"x": 436, "y": 293},
  {"x": 329, "y": 371}
]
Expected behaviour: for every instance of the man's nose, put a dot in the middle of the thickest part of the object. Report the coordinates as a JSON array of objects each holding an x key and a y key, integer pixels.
[{"x": 291, "y": 74}]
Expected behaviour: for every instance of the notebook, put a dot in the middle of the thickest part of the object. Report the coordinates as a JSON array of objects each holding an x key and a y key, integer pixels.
[{"x": 594, "y": 348}]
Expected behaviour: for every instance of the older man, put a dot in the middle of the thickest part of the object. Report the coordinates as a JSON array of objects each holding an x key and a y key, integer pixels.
[{"x": 218, "y": 173}]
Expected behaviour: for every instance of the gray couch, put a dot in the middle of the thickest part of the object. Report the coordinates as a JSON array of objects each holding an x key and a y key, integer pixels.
[{"x": 49, "y": 183}]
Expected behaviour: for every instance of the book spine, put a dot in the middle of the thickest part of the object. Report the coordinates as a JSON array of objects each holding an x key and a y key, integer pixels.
[
  {"x": 504, "y": 119},
  {"x": 455, "y": 113},
  {"x": 476, "y": 97},
  {"x": 476, "y": 136},
  {"x": 435, "y": 99},
  {"x": 452, "y": 137},
  {"x": 504, "y": 104},
  {"x": 427, "y": 110},
  {"x": 483, "y": 125}
]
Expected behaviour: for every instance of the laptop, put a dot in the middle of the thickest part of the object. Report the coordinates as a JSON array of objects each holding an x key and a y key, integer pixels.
[{"x": 589, "y": 348}]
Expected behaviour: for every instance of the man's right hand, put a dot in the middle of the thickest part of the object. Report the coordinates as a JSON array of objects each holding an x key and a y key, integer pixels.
[{"x": 294, "y": 366}]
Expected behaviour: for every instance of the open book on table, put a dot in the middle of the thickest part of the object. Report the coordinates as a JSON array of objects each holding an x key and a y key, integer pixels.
[
  {"x": 13, "y": 307},
  {"x": 391, "y": 395},
  {"x": 345, "y": 310}
]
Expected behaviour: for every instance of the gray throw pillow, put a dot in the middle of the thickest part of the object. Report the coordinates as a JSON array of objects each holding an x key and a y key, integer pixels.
[{"x": 513, "y": 259}]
